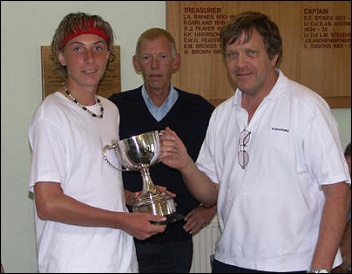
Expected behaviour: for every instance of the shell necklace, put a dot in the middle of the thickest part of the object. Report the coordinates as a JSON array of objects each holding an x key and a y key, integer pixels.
[{"x": 84, "y": 107}]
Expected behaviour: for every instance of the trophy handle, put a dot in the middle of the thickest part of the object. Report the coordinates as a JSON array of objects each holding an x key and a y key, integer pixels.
[
  {"x": 105, "y": 149},
  {"x": 160, "y": 133}
]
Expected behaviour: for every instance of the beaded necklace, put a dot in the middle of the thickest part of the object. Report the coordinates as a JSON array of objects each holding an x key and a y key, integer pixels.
[{"x": 84, "y": 107}]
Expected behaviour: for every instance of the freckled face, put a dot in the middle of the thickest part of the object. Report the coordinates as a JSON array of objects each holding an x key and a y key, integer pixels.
[{"x": 85, "y": 57}]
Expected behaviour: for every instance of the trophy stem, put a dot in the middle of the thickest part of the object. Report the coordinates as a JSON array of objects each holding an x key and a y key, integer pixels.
[
  {"x": 148, "y": 187},
  {"x": 154, "y": 201}
]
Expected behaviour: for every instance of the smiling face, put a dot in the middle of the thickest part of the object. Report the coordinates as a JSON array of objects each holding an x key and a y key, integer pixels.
[
  {"x": 85, "y": 58},
  {"x": 249, "y": 65}
]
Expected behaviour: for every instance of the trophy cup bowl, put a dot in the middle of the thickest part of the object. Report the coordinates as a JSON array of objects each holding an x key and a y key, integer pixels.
[{"x": 140, "y": 153}]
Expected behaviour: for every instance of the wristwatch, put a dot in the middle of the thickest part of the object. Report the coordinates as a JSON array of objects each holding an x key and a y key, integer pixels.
[{"x": 318, "y": 270}]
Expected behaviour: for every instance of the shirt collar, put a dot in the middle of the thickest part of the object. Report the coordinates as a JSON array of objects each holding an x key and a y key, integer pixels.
[
  {"x": 273, "y": 94},
  {"x": 160, "y": 112}
]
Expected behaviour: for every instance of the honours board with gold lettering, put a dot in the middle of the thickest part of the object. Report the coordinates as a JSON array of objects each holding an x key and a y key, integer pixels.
[{"x": 316, "y": 45}]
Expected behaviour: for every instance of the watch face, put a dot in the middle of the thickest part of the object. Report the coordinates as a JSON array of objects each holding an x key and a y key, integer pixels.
[{"x": 323, "y": 270}]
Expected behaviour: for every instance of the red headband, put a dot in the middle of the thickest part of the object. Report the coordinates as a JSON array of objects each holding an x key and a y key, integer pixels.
[{"x": 89, "y": 28}]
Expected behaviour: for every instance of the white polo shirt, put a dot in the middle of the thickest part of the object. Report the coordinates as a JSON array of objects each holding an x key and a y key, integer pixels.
[{"x": 269, "y": 212}]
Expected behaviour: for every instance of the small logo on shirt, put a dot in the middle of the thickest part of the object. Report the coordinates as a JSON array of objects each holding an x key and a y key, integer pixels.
[{"x": 280, "y": 129}]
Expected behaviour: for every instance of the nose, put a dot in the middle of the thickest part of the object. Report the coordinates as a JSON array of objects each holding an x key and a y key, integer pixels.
[
  {"x": 241, "y": 59},
  {"x": 89, "y": 56},
  {"x": 155, "y": 62}
]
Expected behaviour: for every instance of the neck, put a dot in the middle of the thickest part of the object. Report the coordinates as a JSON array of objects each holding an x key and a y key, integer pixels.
[
  {"x": 83, "y": 107},
  {"x": 158, "y": 97}
]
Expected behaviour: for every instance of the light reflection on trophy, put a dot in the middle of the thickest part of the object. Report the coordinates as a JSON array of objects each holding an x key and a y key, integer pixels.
[{"x": 139, "y": 153}]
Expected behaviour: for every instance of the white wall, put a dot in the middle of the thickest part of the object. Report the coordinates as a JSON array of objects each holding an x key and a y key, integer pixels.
[{"x": 25, "y": 26}]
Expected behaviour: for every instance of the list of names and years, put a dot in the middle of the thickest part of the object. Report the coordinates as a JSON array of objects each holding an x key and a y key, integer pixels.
[
  {"x": 320, "y": 27},
  {"x": 324, "y": 30},
  {"x": 201, "y": 29}
]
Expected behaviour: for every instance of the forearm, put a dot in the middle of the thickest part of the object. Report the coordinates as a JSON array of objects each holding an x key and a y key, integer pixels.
[
  {"x": 174, "y": 154},
  {"x": 346, "y": 248},
  {"x": 201, "y": 187},
  {"x": 332, "y": 225},
  {"x": 70, "y": 211},
  {"x": 52, "y": 204}
]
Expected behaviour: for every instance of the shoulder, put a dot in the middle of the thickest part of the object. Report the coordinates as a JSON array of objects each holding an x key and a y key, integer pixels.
[
  {"x": 52, "y": 104},
  {"x": 107, "y": 103},
  {"x": 304, "y": 96},
  {"x": 193, "y": 98},
  {"x": 295, "y": 94},
  {"x": 52, "y": 111},
  {"x": 125, "y": 95}
]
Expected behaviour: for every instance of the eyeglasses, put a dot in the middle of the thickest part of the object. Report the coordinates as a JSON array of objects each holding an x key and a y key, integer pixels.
[{"x": 243, "y": 156}]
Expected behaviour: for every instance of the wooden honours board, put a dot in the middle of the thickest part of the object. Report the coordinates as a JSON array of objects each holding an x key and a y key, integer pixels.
[{"x": 316, "y": 45}]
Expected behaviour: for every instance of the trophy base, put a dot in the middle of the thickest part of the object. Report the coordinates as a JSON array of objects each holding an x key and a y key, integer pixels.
[
  {"x": 172, "y": 218},
  {"x": 160, "y": 204}
]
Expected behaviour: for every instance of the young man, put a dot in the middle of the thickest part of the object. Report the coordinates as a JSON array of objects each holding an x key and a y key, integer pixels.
[{"x": 82, "y": 223}]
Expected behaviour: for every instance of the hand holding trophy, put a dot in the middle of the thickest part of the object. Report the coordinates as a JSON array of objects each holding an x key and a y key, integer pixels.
[{"x": 139, "y": 153}]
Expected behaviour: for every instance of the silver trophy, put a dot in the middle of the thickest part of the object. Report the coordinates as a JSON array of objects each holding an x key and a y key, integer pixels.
[{"x": 139, "y": 153}]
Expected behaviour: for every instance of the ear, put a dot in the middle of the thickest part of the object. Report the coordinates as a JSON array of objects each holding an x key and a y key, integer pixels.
[
  {"x": 135, "y": 62},
  {"x": 61, "y": 59},
  {"x": 176, "y": 63},
  {"x": 274, "y": 60}
]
